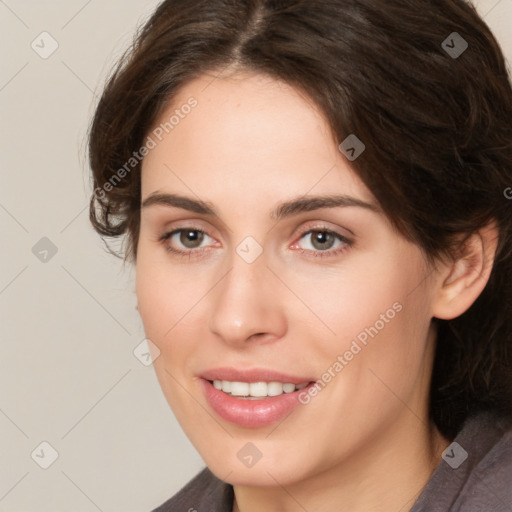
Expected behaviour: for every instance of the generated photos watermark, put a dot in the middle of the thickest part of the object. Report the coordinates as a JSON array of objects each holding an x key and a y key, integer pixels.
[
  {"x": 152, "y": 140},
  {"x": 358, "y": 343}
]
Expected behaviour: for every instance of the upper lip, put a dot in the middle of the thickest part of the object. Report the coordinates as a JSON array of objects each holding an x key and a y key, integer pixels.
[{"x": 252, "y": 375}]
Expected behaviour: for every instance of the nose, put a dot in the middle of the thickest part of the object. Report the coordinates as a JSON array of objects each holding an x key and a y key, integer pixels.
[{"x": 247, "y": 304}]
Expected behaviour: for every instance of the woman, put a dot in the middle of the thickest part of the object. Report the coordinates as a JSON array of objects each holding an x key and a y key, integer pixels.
[{"x": 313, "y": 194}]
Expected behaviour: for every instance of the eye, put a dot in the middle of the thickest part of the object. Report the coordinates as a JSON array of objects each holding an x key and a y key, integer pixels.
[
  {"x": 185, "y": 241},
  {"x": 322, "y": 242}
]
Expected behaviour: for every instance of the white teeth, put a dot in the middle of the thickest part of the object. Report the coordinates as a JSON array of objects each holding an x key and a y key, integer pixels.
[
  {"x": 239, "y": 388},
  {"x": 256, "y": 389},
  {"x": 288, "y": 388},
  {"x": 275, "y": 389}
]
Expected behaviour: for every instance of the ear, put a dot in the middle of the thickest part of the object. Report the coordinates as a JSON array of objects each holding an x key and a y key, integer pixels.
[{"x": 463, "y": 279}]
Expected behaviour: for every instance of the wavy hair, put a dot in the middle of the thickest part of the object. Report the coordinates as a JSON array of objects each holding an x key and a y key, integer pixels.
[{"x": 423, "y": 83}]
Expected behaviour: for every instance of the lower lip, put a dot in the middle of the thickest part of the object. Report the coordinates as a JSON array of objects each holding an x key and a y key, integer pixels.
[{"x": 251, "y": 413}]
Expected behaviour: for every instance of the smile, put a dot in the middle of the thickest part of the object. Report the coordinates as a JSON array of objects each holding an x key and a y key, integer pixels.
[
  {"x": 252, "y": 398},
  {"x": 255, "y": 390}
]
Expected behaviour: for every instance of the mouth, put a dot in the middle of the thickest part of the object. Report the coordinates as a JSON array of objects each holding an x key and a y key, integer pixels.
[{"x": 252, "y": 398}]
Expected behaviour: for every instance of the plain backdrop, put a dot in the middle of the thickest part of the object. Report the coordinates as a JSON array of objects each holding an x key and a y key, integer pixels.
[{"x": 73, "y": 395}]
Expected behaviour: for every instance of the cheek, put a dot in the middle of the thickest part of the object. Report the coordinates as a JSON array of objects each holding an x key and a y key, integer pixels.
[
  {"x": 170, "y": 297},
  {"x": 165, "y": 301},
  {"x": 376, "y": 361},
  {"x": 164, "y": 293},
  {"x": 373, "y": 314},
  {"x": 349, "y": 298}
]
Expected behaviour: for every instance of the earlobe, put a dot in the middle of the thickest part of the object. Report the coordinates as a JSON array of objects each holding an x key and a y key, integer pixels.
[{"x": 465, "y": 277}]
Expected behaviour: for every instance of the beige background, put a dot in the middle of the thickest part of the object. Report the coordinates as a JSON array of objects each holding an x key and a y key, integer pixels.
[{"x": 68, "y": 326}]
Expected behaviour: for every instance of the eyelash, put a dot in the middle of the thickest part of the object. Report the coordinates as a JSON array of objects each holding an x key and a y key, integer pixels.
[{"x": 196, "y": 253}]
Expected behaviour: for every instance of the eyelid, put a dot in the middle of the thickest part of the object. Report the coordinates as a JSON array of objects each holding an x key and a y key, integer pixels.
[{"x": 324, "y": 226}]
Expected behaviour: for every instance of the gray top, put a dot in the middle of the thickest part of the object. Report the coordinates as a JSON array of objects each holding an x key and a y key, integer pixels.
[{"x": 475, "y": 475}]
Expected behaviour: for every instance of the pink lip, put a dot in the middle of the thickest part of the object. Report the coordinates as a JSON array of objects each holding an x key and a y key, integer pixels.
[
  {"x": 253, "y": 375},
  {"x": 251, "y": 413}
]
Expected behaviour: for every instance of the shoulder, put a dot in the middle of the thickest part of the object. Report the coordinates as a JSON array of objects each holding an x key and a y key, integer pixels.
[
  {"x": 204, "y": 492},
  {"x": 488, "y": 485},
  {"x": 475, "y": 472}
]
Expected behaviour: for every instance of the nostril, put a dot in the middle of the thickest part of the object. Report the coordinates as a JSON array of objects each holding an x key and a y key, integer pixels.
[{"x": 257, "y": 334}]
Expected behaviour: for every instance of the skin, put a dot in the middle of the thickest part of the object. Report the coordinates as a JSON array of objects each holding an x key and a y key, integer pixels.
[{"x": 365, "y": 441}]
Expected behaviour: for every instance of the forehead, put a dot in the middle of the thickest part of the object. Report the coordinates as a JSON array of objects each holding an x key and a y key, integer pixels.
[{"x": 249, "y": 133}]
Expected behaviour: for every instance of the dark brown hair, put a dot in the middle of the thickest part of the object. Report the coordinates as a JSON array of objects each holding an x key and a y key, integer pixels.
[{"x": 436, "y": 124}]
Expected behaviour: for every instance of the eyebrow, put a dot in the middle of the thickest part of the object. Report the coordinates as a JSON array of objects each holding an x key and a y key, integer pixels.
[{"x": 283, "y": 210}]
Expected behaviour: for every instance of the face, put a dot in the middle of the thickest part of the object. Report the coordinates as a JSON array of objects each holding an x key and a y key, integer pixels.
[{"x": 246, "y": 273}]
